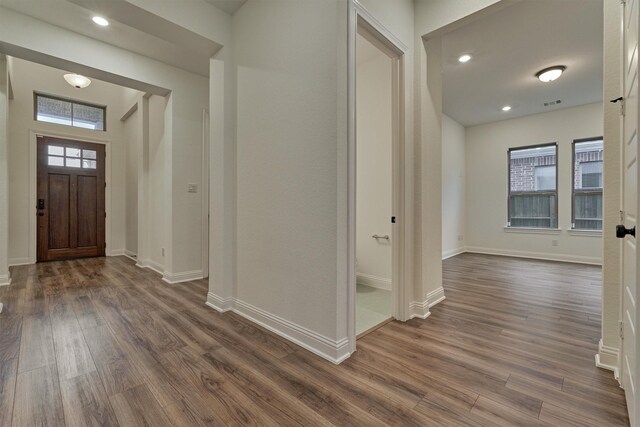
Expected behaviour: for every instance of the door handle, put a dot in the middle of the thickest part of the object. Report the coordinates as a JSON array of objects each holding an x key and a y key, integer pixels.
[{"x": 622, "y": 231}]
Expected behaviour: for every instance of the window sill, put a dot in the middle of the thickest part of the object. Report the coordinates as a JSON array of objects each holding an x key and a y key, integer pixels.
[
  {"x": 577, "y": 232},
  {"x": 531, "y": 230}
]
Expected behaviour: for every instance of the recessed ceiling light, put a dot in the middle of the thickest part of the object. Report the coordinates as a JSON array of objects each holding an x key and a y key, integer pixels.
[
  {"x": 506, "y": 108},
  {"x": 77, "y": 81},
  {"x": 550, "y": 74},
  {"x": 464, "y": 58},
  {"x": 100, "y": 21}
]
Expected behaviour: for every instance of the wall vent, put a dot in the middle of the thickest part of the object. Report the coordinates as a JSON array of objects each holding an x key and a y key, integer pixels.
[{"x": 550, "y": 103}]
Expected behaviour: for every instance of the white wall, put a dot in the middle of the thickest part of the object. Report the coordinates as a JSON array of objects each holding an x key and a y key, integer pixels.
[
  {"x": 132, "y": 142},
  {"x": 487, "y": 146},
  {"x": 374, "y": 174},
  {"x": 286, "y": 162},
  {"x": 26, "y": 78},
  {"x": 157, "y": 179},
  {"x": 453, "y": 187},
  {"x": 5, "y": 278}
]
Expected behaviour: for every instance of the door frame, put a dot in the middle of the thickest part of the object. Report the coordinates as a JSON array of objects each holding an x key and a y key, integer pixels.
[
  {"x": 33, "y": 183},
  {"x": 363, "y": 22}
]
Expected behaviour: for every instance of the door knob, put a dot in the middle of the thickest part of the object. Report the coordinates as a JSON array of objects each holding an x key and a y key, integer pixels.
[{"x": 621, "y": 231}]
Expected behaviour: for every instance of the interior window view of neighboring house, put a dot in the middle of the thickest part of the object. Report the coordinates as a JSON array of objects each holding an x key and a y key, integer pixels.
[
  {"x": 51, "y": 109},
  {"x": 533, "y": 187},
  {"x": 587, "y": 185}
]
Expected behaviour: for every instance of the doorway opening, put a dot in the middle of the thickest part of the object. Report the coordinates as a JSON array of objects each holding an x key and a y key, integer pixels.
[
  {"x": 377, "y": 171},
  {"x": 374, "y": 143}
]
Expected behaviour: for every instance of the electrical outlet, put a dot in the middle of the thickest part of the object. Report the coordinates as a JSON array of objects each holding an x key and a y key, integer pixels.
[
  {"x": 192, "y": 188},
  {"x": 460, "y": 238},
  {"x": 554, "y": 243}
]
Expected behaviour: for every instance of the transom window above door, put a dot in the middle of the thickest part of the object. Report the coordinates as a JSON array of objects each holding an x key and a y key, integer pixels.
[
  {"x": 71, "y": 157},
  {"x": 68, "y": 112}
]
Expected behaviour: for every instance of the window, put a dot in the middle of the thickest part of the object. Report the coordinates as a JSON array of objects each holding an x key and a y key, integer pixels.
[
  {"x": 69, "y": 112},
  {"x": 71, "y": 157},
  {"x": 533, "y": 187},
  {"x": 587, "y": 184}
]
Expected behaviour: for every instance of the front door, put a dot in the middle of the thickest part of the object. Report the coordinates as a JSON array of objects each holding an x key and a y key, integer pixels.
[
  {"x": 629, "y": 362},
  {"x": 70, "y": 199}
]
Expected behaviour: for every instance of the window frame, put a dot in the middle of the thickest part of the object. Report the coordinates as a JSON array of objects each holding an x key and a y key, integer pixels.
[
  {"x": 542, "y": 193},
  {"x": 587, "y": 191},
  {"x": 72, "y": 101}
]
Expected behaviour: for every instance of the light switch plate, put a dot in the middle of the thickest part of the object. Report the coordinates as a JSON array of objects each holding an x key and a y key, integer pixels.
[{"x": 192, "y": 188}]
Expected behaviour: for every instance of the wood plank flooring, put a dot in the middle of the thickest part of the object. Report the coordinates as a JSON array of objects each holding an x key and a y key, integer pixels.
[{"x": 100, "y": 342}]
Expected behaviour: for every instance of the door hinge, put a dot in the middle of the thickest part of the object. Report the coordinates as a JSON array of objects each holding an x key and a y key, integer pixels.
[
  {"x": 105, "y": 214},
  {"x": 621, "y": 330}
]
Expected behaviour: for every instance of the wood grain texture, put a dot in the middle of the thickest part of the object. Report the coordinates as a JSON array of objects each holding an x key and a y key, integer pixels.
[{"x": 98, "y": 341}]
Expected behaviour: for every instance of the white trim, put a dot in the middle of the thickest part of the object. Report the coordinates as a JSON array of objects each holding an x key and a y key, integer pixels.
[
  {"x": 19, "y": 261},
  {"x": 123, "y": 252},
  {"x": 116, "y": 252},
  {"x": 536, "y": 255},
  {"x": 608, "y": 358},
  {"x": 5, "y": 279},
  {"x": 453, "y": 252},
  {"x": 204, "y": 188},
  {"x": 373, "y": 281},
  {"x": 219, "y": 304},
  {"x": 0, "y": 307},
  {"x": 590, "y": 233},
  {"x": 531, "y": 230},
  {"x": 419, "y": 309},
  {"x": 331, "y": 350},
  {"x": 435, "y": 297},
  {"x": 185, "y": 276},
  {"x": 151, "y": 265},
  {"x": 33, "y": 182}
]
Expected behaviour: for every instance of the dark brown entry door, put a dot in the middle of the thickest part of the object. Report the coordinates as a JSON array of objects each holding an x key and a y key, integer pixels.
[{"x": 70, "y": 205}]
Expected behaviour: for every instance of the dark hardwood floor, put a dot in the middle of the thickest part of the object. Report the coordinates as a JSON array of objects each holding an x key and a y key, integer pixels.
[{"x": 101, "y": 342}]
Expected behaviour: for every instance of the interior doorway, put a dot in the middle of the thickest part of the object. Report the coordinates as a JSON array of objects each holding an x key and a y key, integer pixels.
[
  {"x": 374, "y": 176},
  {"x": 70, "y": 199}
]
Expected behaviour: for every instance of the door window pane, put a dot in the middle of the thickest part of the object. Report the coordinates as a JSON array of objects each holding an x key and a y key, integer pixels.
[
  {"x": 88, "y": 154},
  {"x": 88, "y": 164},
  {"x": 73, "y": 152},
  {"x": 56, "y": 161},
  {"x": 55, "y": 150},
  {"x": 72, "y": 163}
]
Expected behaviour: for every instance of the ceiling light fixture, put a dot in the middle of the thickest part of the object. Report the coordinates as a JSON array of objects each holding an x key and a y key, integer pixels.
[
  {"x": 550, "y": 74},
  {"x": 100, "y": 21},
  {"x": 506, "y": 108},
  {"x": 77, "y": 81},
  {"x": 464, "y": 58}
]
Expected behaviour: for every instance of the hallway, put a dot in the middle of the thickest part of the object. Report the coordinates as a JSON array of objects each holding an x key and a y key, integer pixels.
[{"x": 100, "y": 340}]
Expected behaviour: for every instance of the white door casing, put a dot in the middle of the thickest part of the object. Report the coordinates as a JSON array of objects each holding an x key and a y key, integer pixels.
[{"x": 629, "y": 361}]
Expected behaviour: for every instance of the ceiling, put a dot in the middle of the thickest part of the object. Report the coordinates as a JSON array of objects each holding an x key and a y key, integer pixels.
[
  {"x": 229, "y": 6},
  {"x": 510, "y": 46},
  {"x": 130, "y": 28}
]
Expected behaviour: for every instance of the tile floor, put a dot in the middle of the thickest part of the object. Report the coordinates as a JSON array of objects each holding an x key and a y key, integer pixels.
[{"x": 373, "y": 306}]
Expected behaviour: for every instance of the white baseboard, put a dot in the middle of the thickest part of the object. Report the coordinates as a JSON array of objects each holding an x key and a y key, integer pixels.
[
  {"x": 116, "y": 252},
  {"x": 5, "y": 279},
  {"x": 331, "y": 350},
  {"x": 535, "y": 255},
  {"x": 419, "y": 309},
  {"x": 151, "y": 265},
  {"x": 608, "y": 358},
  {"x": 131, "y": 255},
  {"x": 185, "y": 276},
  {"x": 219, "y": 304},
  {"x": 453, "y": 252},
  {"x": 19, "y": 261},
  {"x": 373, "y": 281}
]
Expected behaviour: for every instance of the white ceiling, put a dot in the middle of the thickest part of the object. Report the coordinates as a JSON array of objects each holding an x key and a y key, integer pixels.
[
  {"x": 128, "y": 29},
  {"x": 229, "y": 6},
  {"x": 510, "y": 46}
]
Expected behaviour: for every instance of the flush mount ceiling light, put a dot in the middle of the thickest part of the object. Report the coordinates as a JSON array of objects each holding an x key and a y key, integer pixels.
[
  {"x": 77, "y": 81},
  {"x": 464, "y": 58},
  {"x": 550, "y": 74},
  {"x": 100, "y": 21},
  {"x": 506, "y": 108}
]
